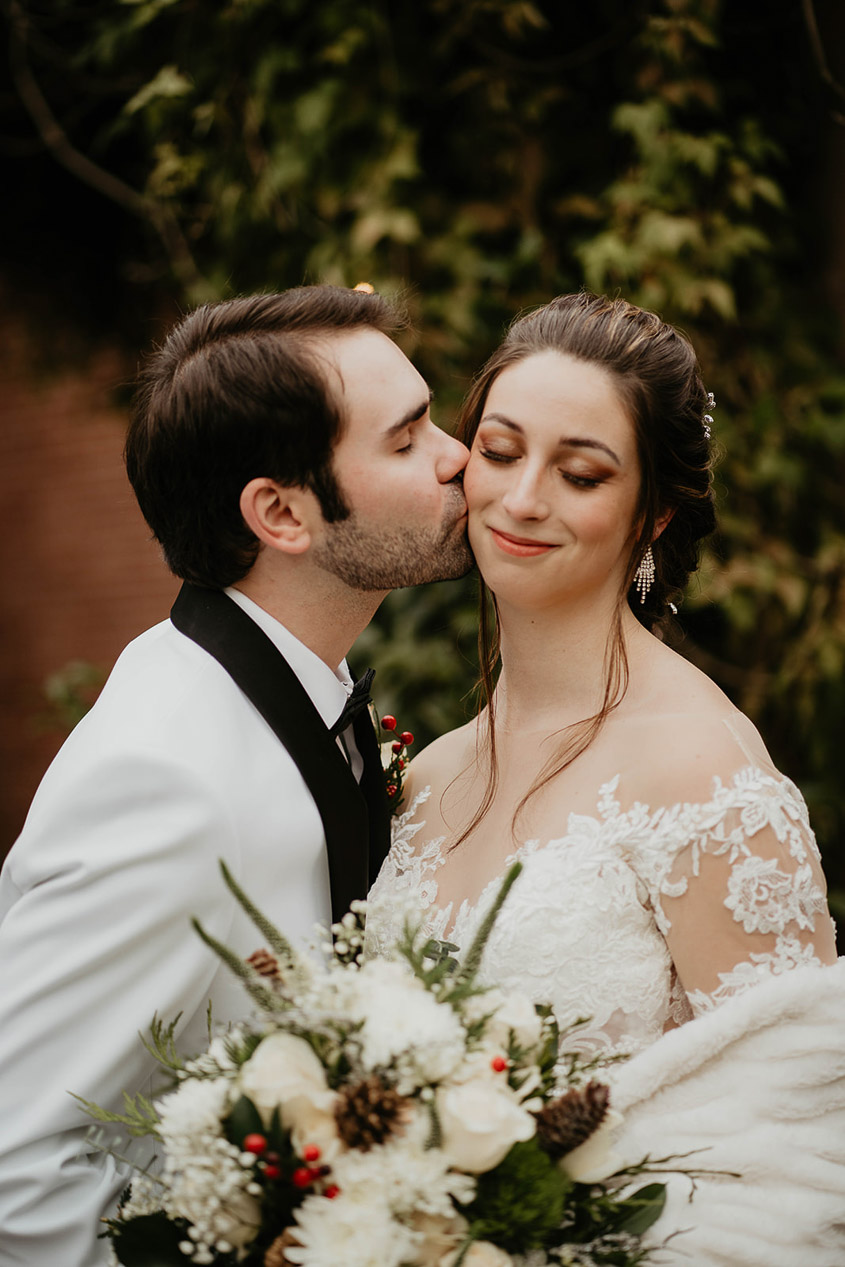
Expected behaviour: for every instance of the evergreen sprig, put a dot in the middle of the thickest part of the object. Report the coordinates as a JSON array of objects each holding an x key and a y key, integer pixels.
[
  {"x": 276, "y": 940},
  {"x": 162, "y": 1043},
  {"x": 140, "y": 1118},
  {"x": 468, "y": 970},
  {"x": 266, "y": 999}
]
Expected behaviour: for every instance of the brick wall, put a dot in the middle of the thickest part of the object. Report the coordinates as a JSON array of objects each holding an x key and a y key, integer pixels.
[{"x": 80, "y": 576}]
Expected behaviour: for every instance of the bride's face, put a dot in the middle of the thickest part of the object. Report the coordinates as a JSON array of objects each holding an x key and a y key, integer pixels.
[{"x": 552, "y": 483}]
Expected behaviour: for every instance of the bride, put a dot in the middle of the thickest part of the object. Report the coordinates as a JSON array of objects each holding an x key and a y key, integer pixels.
[{"x": 668, "y": 866}]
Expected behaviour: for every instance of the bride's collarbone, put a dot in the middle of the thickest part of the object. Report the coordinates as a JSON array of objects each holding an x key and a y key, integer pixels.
[{"x": 513, "y": 817}]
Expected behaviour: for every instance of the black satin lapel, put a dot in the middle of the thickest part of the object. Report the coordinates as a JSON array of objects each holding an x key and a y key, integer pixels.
[{"x": 223, "y": 629}]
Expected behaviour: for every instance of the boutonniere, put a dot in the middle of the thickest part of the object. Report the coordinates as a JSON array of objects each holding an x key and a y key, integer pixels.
[{"x": 394, "y": 756}]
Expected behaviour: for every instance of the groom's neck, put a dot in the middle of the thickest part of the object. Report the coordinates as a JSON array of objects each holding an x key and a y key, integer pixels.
[{"x": 317, "y": 608}]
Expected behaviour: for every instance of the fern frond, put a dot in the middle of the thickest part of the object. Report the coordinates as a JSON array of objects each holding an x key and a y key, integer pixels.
[
  {"x": 163, "y": 1044},
  {"x": 140, "y": 1118}
]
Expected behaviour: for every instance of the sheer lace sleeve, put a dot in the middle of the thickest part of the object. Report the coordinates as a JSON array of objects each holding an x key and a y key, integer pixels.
[{"x": 737, "y": 887}]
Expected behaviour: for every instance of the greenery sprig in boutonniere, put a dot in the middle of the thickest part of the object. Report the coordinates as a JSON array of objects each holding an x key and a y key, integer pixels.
[{"x": 394, "y": 757}]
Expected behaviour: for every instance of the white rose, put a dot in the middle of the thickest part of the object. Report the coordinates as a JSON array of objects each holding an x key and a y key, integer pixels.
[
  {"x": 514, "y": 1013},
  {"x": 239, "y": 1221},
  {"x": 440, "y": 1236},
  {"x": 284, "y": 1073},
  {"x": 480, "y": 1123},
  {"x": 594, "y": 1160},
  {"x": 478, "y": 1066},
  {"x": 480, "y": 1254}
]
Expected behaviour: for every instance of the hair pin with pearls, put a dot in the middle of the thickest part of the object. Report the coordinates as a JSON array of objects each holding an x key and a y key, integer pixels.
[{"x": 708, "y": 417}]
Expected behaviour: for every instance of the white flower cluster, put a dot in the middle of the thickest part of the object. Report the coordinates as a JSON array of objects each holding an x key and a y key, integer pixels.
[{"x": 206, "y": 1181}]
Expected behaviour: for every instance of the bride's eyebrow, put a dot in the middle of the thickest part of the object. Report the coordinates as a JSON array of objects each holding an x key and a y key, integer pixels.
[{"x": 565, "y": 442}]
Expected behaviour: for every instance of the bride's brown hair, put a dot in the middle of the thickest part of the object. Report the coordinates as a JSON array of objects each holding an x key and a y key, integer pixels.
[{"x": 655, "y": 371}]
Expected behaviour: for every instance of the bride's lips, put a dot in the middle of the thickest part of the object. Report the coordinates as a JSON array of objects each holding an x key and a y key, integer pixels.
[{"x": 522, "y": 546}]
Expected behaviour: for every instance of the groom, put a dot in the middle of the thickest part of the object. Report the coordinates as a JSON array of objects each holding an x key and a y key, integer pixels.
[{"x": 282, "y": 452}]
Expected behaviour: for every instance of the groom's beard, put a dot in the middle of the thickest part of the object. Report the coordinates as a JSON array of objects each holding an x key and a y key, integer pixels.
[{"x": 370, "y": 558}]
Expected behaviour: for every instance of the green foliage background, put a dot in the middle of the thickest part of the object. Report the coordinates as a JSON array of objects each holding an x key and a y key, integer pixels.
[{"x": 478, "y": 157}]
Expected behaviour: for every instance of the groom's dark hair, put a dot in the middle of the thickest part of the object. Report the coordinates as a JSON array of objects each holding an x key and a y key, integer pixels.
[{"x": 238, "y": 391}]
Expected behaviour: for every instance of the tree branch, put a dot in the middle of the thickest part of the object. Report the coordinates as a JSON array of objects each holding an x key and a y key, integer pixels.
[
  {"x": 821, "y": 61},
  {"x": 55, "y": 140}
]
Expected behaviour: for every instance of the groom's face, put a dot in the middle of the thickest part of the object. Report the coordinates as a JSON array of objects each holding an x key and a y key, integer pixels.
[{"x": 398, "y": 473}]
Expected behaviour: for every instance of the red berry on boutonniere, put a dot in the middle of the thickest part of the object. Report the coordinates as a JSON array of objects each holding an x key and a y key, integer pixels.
[{"x": 393, "y": 760}]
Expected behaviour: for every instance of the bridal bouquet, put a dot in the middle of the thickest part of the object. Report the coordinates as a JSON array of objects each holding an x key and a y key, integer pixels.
[{"x": 378, "y": 1113}]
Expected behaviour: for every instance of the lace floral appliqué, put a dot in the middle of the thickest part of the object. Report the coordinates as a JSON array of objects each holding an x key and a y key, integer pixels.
[{"x": 585, "y": 927}]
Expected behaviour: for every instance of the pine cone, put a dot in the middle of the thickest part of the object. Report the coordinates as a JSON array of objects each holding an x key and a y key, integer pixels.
[
  {"x": 368, "y": 1112},
  {"x": 569, "y": 1120},
  {"x": 275, "y": 1255},
  {"x": 266, "y": 964}
]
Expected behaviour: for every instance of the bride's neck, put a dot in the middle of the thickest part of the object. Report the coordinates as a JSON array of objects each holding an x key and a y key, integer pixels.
[{"x": 554, "y": 664}]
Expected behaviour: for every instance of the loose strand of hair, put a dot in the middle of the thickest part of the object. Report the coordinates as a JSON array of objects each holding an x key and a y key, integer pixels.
[{"x": 485, "y": 747}]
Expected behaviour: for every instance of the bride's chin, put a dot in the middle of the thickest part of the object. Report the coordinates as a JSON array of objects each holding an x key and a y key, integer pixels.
[{"x": 520, "y": 593}]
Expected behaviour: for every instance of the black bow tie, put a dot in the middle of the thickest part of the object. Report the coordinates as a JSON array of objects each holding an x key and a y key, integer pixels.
[{"x": 357, "y": 702}]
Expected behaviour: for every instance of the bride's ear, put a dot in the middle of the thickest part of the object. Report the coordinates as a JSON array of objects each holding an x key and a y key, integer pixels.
[
  {"x": 281, "y": 517},
  {"x": 661, "y": 521}
]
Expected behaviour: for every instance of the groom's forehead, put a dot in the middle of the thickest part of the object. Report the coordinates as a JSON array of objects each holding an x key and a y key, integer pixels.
[{"x": 376, "y": 386}]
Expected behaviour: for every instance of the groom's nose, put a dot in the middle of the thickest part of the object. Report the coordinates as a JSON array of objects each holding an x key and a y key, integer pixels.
[{"x": 452, "y": 457}]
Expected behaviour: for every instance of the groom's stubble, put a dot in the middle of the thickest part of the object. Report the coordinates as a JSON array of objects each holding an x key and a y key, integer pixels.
[{"x": 368, "y": 558}]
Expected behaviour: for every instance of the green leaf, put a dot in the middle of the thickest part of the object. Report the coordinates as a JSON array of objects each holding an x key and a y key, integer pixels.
[
  {"x": 150, "y": 1240},
  {"x": 169, "y": 82},
  {"x": 243, "y": 1119},
  {"x": 647, "y": 1203}
]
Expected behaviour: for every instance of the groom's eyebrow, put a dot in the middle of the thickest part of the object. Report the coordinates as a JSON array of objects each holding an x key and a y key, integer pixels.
[
  {"x": 565, "y": 442},
  {"x": 413, "y": 415}
]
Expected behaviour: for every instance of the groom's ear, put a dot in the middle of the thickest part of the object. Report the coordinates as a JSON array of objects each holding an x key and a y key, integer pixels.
[{"x": 281, "y": 517}]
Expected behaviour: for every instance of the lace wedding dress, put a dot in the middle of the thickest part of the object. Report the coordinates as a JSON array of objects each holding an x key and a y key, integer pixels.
[{"x": 653, "y": 922}]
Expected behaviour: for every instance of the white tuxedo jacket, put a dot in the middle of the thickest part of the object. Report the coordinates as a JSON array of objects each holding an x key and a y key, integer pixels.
[{"x": 172, "y": 769}]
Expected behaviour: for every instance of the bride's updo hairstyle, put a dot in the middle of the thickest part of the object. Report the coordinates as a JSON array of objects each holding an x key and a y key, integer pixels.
[{"x": 656, "y": 374}]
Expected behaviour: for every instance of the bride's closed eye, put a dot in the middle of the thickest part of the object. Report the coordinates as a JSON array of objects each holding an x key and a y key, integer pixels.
[
  {"x": 493, "y": 455},
  {"x": 578, "y": 481}
]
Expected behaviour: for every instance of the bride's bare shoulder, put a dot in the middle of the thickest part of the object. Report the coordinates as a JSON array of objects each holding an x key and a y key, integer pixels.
[
  {"x": 685, "y": 732},
  {"x": 436, "y": 765}
]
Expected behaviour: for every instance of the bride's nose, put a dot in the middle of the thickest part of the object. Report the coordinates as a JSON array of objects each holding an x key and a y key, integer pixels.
[{"x": 525, "y": 498}]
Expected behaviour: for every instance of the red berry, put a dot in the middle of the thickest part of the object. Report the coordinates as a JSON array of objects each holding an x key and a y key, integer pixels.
[
  {"x": 302, "y": 1177},
  {"x": 332, "y": 1191},
  {"x": 397, "y": 747},
  {"x": 388, "y": 722},
  {"x": 401, "y": 763},
  {"x": 272, "y": 1172},
  {"x": 406, "y": 737},
  {"x": 498, "y": 1064},
  {"x": 392, "y": 789},
  {"x": 272, "y": 1159},
  {"x": 311, "y": 1152},
  {"x": 255, "y": 1144}
]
